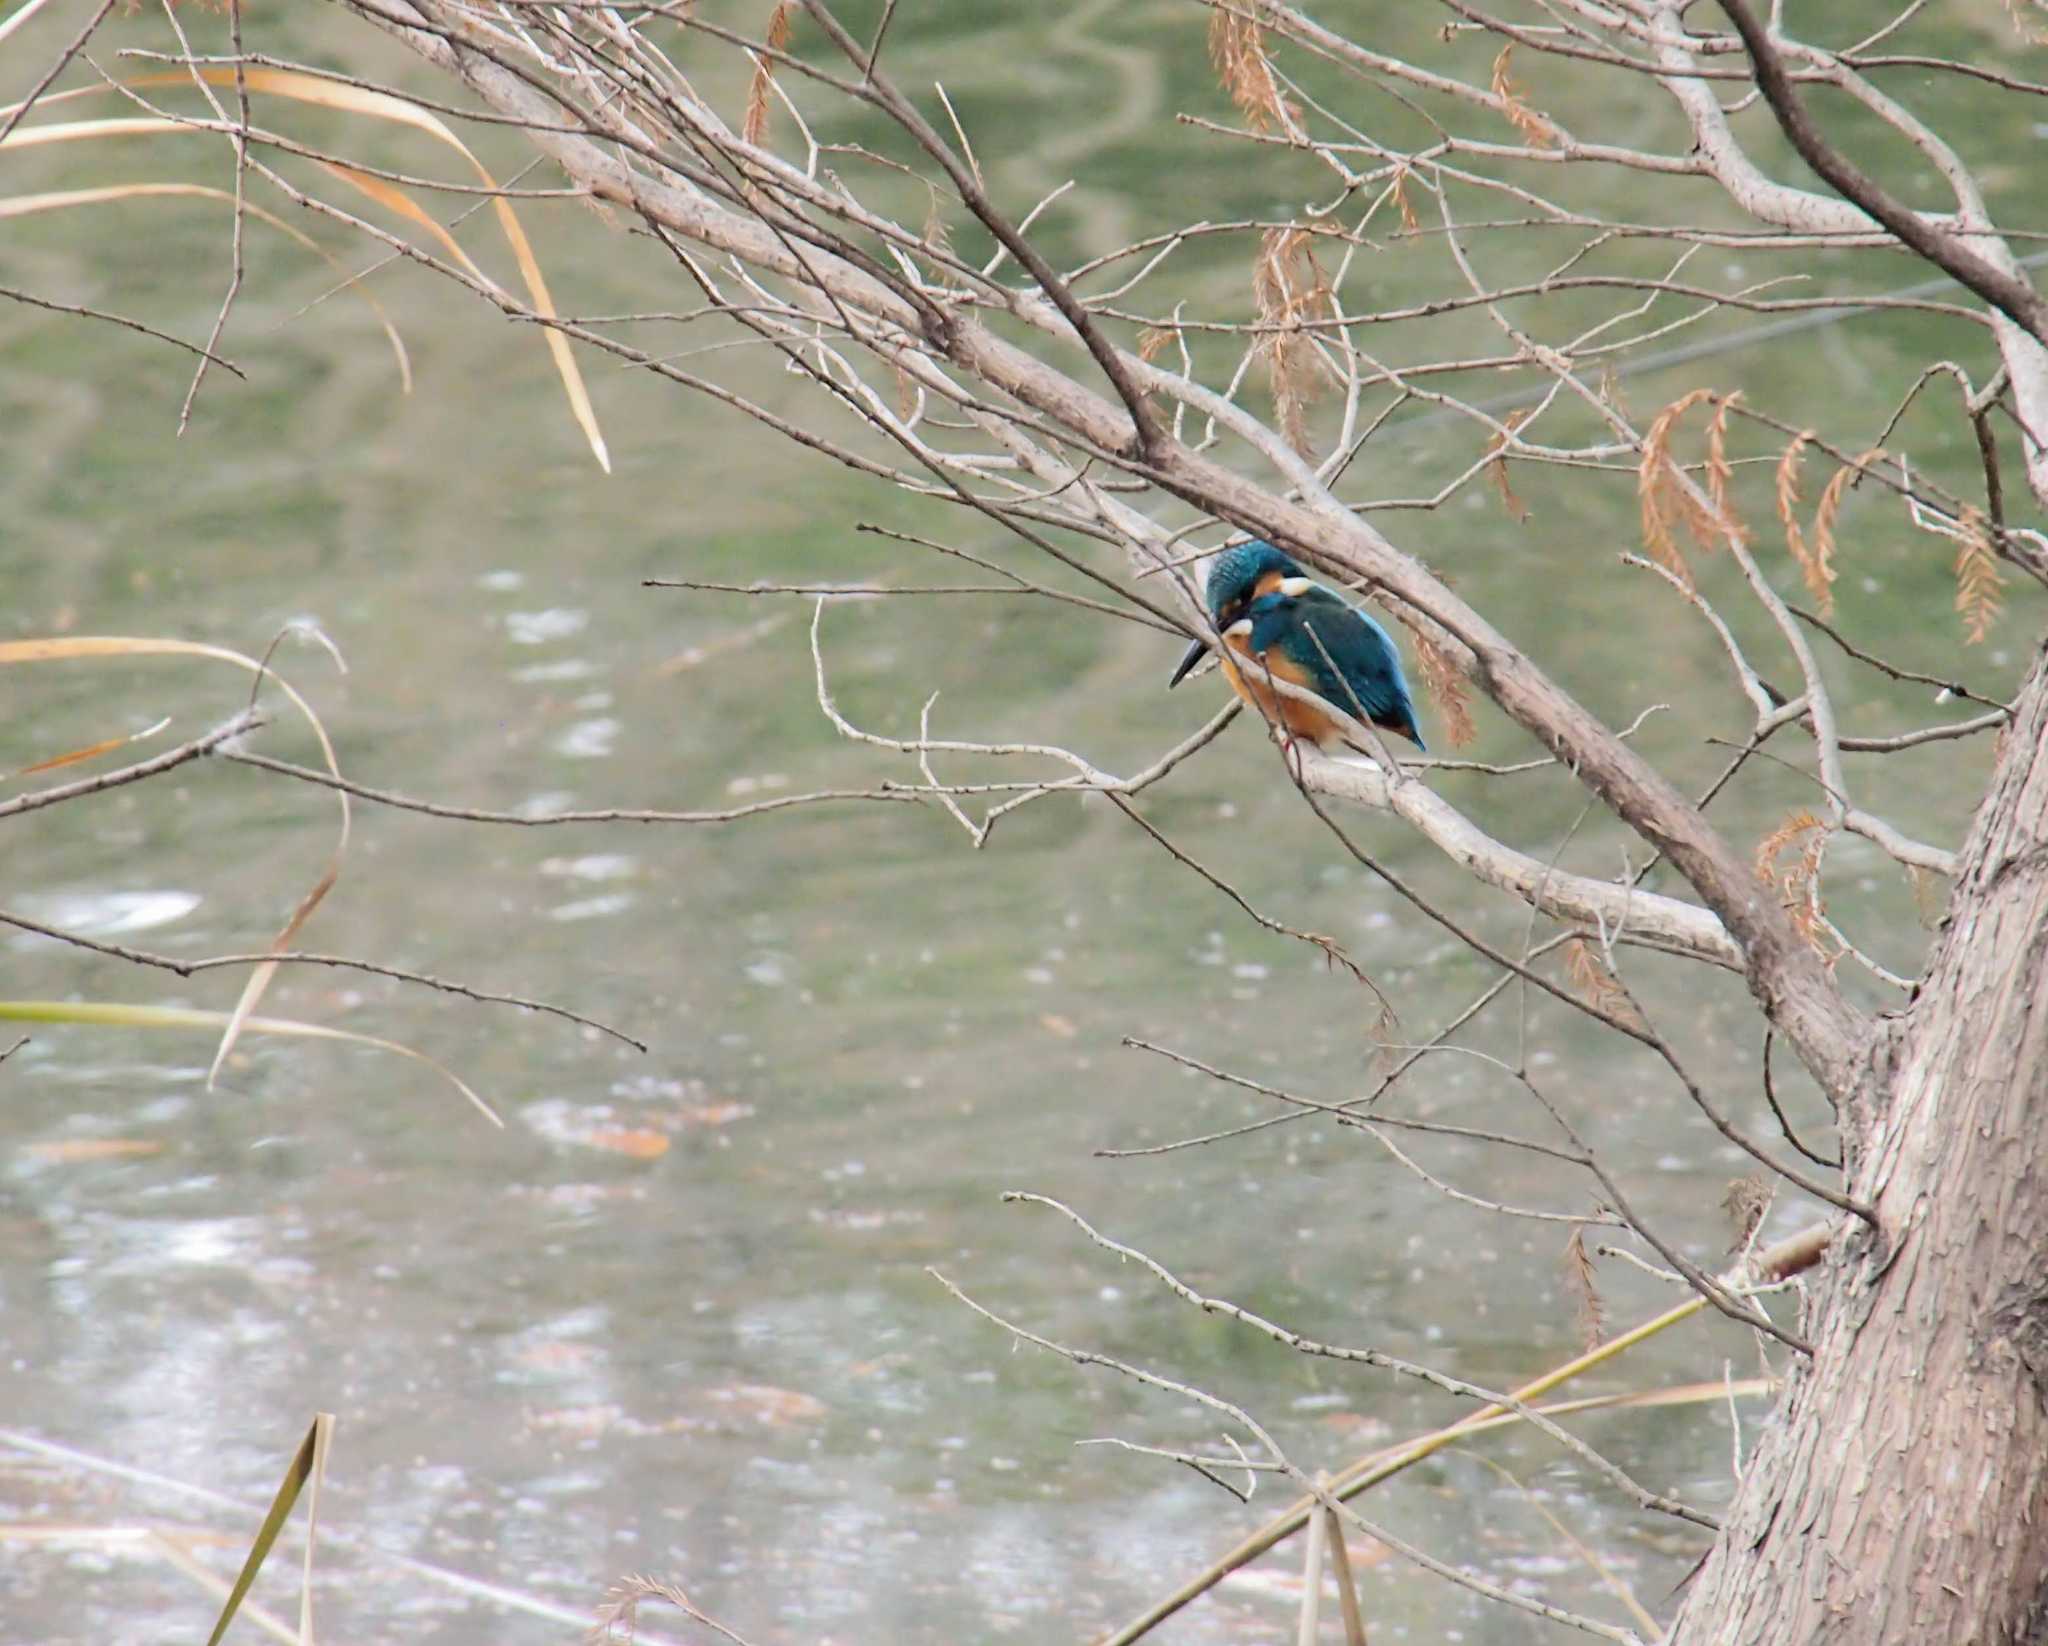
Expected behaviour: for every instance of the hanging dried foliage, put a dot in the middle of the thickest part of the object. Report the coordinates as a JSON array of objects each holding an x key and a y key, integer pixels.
[
  {"x": 1583, "y": 1284},
  {"x": 1798, "y": 884},
  {"x": 1237, "y": 46},
  {"x": 1289, "y": 289},
  {"x": 1446, "y": 686},
  {"x": 1819, "y": 578},
  {"x": 1518, "y": 511},
  {"x": 1720, "y": 473},
  {"x": 1980, "y": 588},
  {"x": 1536, "y": 131},
  {"x": 1662, "y": 498},
  {"x": 754, "y": 126},
  {"x": 1596, "y": 983}
]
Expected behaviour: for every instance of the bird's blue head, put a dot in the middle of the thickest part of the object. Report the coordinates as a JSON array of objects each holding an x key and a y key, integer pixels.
[
  {"x": 1237, "y": 577},
  {"x": 1240, "y": 576}
]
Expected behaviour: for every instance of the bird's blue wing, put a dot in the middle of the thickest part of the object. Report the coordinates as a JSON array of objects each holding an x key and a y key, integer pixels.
[{"x": 1364, "y": 656}]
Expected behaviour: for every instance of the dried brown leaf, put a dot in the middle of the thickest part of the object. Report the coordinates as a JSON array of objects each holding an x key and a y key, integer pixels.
[
  {"x": 755, "y": 124},
  {"x": 1237, "y": 47},
  {"x": 2029, "y": 32},
  {"x": 71, "y": 1150},
  {"x": 1152, "y": 342},
  {"x": 75, "y": 757},
  {"x": 1930, "y": 892},
  {"x": 1610, "y": 389},
  {"x": 1537, "y": 132},
  {"x": 1583, "y": 1284},
  {"x": 1798, "y": 885},
  {"x": 1820, "y": 575},
  {"x": 1778, "y": 839},
  {"x": 935, "y": 233},
  {"x": 1979, "y": 586},
  {"x": 1817, "y": 582},
  {"x": 1746, "y": 1201},
  {"x": 1409, "y": 221},
  {"x": 1518, "y": 511},
  {"x": 1658, "y": 490},
  {"x": 1720, "y": 475},
  {"x": 635, "y": 1142},
  {"x": 1596, "y": 983}
]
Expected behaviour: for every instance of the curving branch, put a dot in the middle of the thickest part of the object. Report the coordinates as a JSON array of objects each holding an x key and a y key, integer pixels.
[
  {"x": 1789, "y": 979},
  {"x": 2000, "y": 287}
]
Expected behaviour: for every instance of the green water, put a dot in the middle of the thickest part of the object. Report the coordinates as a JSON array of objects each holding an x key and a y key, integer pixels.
[{"x": 554, "y": 1363}]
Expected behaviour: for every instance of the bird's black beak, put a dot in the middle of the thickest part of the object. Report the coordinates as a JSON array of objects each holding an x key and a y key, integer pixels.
[{"x": 1196, "y": 650}]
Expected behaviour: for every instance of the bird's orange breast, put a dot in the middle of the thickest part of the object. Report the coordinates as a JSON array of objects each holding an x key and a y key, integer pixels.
[{"x": 1248, "y": 680}]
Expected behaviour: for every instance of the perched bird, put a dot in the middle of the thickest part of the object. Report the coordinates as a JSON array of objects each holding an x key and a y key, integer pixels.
[{"x": 1278, "y": 619}]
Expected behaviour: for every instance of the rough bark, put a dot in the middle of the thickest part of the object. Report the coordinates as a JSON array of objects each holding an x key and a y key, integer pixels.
[{"x": 1902, "y": 1492}]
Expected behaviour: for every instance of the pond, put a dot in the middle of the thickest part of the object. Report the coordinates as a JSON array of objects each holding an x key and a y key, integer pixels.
[{"x": 683, "y": 1314}]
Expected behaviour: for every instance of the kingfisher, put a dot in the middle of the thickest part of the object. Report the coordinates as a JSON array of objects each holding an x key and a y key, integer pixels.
[{"x": 1270, "y": 612}]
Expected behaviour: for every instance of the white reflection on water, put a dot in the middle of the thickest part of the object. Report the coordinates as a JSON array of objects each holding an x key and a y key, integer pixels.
[
  {"x": 589, "y": 739},
  {"x": 538, "y": 628},
  {"x": 592, "y": 908},
  {"x": 595, "y": 866},
  {"x": 102, "y": 914}
]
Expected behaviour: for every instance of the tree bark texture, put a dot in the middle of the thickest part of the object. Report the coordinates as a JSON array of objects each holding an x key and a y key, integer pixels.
[{"x": 1901, "y": 1493}]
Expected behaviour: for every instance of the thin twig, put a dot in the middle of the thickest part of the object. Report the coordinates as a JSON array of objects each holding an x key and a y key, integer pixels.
[
  {"x": 188, "y": 968},
  {"x": 155, "y": 766}
]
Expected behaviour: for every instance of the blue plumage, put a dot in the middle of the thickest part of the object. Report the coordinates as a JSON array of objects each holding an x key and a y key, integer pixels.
[{"x": 1284, "y": 623}]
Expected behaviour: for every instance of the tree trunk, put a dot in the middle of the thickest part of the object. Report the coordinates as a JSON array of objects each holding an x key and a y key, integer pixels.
[{"x": 1901, "y": 1493}]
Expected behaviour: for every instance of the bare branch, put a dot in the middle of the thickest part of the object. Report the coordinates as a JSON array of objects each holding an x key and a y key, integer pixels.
[
  {"x": 155, "y": 766},
  {"x": 1995, "y": 285}
]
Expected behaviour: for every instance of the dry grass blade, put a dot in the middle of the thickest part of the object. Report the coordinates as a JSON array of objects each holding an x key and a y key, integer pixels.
[
  {"x": 1536, "y": 131},
  {"x": 386, "y": 194},
  {"x": 401, "y": 204},
  {"x": 23, "y": 205},
  {"x": 1347, "y": 1580},
  {"x": 619, "y": 1617},
  {"x": 108, "y": 1014},
  {"x": 1309, "y": 1623},
  {"x": 755, "y": 124},
  {"x": 95, "y": 646},
  {"x": 1787, "y": 1257},
  {"x": 1599, "y": 1568},
  {"x": 1289, "y": 288},
  {"x": 1979, "y": 586},
  {"x": 22, "y": 14},
  {"x": 308, "y": 1467},
  {"x": 92, "y": 751},
  {"x": 313, "y": 89},
  {"x": 180, "y": 1550}
]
